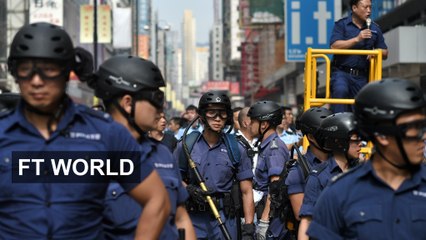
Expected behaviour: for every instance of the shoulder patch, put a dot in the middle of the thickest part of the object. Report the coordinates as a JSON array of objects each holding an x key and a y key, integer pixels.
[
  {"x": 98, "y": 114},
  {"x": 343, "y": 174},
  {"x": 274, "y": 144}
]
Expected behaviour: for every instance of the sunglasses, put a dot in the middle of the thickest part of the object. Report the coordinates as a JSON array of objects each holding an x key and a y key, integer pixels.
[
  {"x": 153, "y": 96},
  {"x": 47, "y": 70}
]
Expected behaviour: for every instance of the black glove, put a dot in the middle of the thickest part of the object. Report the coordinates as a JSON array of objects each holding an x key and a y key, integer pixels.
[
  {"x": 83, "y": 67},
  {"x": 197, "y": 194},
  {"x": 248, "y": 231}
]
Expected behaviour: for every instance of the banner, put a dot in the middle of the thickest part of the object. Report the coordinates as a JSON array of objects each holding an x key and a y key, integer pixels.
[
  {"x": 51, "y": 11},
  {"x": 86, "y": 24},
  {"x": 266, "y": 11},
  {"x": 122, "y": 32},
  {"x": 103, "y": 22}
]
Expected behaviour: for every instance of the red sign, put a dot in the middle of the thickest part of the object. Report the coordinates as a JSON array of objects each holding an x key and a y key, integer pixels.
[
  {"x": 232, "y": 87},
  {"x": 249, "y": 66}
]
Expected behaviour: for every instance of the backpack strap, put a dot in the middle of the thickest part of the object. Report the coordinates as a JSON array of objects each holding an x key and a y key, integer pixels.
[
  {"x": 231, "y": 144},
  {"x": 190, "y": 140}
]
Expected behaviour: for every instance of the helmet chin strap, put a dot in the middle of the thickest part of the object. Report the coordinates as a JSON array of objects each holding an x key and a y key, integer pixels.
[
  {"x": 407, "y": 166},
  {"x": 262, "y": 134},
  {"x": 130, "y": 118},
  {"x": 53, "y": 116},
  {"x": 207, "y": 125}
]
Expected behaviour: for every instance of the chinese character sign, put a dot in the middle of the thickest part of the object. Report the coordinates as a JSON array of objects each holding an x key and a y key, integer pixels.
[
  {"x": 51, "y": 11},
  {"x": 86, "y": 24}
]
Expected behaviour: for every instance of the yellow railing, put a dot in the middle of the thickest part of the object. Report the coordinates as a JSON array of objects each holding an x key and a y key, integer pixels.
[{"x": 310, "y": 78}]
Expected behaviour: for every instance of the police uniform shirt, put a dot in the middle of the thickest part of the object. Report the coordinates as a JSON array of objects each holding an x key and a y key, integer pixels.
[
  {"x": 215, "y": 166},
  {"x": 359, "y": 205},
  {"x": 289, "y": 137},
  {"x": 317, "y": 181},
  {"x": 273, "y": 154},
  {"x": 122, "y": 212},
  {"x": 345, "y": 29},
  {"x": 295, "y": 180},
  {"x": 65, "y": 210}
]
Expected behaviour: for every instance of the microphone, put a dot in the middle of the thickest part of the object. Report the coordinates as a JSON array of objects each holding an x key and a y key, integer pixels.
[{"x": 368, "y": 21}]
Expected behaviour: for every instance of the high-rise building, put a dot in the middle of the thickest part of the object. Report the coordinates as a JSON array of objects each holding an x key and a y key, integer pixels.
[{"x": 188, "y": 53}]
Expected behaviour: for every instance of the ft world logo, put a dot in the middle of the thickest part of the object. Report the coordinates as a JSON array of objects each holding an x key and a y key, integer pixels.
[{"x": 75, "y": 167}]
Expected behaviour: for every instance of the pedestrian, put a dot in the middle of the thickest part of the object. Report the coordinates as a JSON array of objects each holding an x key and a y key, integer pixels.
[
  {"x": 139, "y": 108},
  {"x": 160, "y": 135},
  {"x": 221, "y": 162},
  {"x": 47, "y": 120},
  {"x": 265, "y": 116},
  {"x": 384, "y": 197},
  {"x": 357, "y": 31}
]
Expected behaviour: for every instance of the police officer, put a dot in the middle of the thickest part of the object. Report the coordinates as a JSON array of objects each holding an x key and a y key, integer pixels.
[
  {"x": 350, "y": 72},
  {"x": 210, "y": 152},
  {"x": 265, "y": 116},
  {"x": 384, "y": 197},
  {"x": 337, "y": 133},
  {"x": 285, "y": 131},
  {"x": 308, "y": 123},
  {"x": 41, "y": 58},
  {"x": 129, "y": 87}
]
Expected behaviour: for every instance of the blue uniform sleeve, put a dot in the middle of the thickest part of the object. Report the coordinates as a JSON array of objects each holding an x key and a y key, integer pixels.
[
  {"x": 277, "y": 159},
  {"x": 121, "y": 140},
  {"x": 295, "y": 181},
  {"x": 326, "y": 220},
  {"x": 244, "y": 167},
  {"x": 312, "y": 192},
  {"x": 338, "y": 32},
  {"x": 380, "y": 42}
]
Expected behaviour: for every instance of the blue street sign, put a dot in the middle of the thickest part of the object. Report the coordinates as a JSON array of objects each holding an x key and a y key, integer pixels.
[{"x": 309, "y": 24}]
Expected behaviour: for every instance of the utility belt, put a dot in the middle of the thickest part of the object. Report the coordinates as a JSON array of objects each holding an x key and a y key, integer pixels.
[
  {"x": 222, "y": 202},
  {"x": 352, "y": 71}
]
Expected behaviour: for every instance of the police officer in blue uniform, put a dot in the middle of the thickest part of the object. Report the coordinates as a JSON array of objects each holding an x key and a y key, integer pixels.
[
  {"x": 350, "y": 72},
  {"x": 265, "y": 116},
  {"x": 129, "y": 87},
  {"x": 46, "y": 119},
  {"x": 382, "y": 198},
  {"x": 210, "y": 153},
  {"x": 308, "y": 123},
  {"x": 337, "y": 133}
]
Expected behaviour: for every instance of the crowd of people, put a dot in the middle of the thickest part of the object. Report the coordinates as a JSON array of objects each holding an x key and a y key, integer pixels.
[{"x": 216, "y": 172}]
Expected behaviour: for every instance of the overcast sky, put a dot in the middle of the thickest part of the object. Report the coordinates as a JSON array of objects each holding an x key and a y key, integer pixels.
[{"x": 171, "y": 11}]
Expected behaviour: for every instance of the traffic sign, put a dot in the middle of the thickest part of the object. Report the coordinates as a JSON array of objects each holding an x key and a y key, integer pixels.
[{"x": 309, "y": 24}]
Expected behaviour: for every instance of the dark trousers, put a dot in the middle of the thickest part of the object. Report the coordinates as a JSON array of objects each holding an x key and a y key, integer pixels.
[{"x": 345, "y": 85}]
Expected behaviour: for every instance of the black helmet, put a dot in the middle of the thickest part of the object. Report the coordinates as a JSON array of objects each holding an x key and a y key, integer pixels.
[
  {"x": 42, "y": 40},
  {"x": 215, "y": 97},
  {"x": 266, "y": 111},
  {"x": 383, "y": 101},
  {"x": 311, "y": 119},
  {"x": 121, "y": 75},
  {"x": 334, "y": 132},
  {"x": 9, "y": 101}
]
